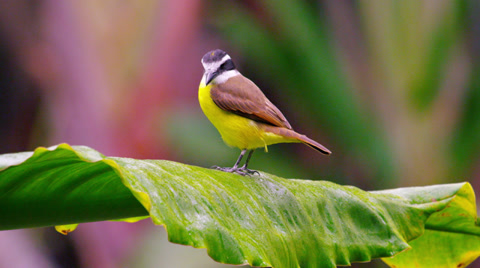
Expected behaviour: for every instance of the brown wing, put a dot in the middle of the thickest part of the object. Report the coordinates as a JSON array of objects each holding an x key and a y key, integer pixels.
[{"x": 241, "y": 96}]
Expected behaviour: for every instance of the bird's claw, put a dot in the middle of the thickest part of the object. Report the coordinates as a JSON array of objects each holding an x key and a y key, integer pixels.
[{"x": 238, "y": 170}]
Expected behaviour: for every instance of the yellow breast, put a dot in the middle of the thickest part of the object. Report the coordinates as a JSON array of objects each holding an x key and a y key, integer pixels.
[{"x": 236, "y": 131}]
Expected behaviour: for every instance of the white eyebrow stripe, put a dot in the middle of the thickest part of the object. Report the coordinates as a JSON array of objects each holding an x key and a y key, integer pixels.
[{"x": 225, "y": 58}]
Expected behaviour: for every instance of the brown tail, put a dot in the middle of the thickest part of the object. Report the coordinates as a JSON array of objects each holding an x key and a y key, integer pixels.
[{"x": 302, "y": 138}]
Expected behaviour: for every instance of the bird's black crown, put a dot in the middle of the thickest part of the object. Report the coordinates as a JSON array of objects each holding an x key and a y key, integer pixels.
[{"x": 214, "y": 55}]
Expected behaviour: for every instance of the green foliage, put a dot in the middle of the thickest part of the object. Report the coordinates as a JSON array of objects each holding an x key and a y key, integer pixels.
[
  {"x": 59, "y": 188},
  {"x": 261, "y": 220},
  {"x": 451, "y": 238},
  {"x": 465, "y": 144}
]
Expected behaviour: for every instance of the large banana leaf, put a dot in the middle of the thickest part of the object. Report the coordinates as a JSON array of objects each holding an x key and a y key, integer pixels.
[{"x": 261, "y": 220}]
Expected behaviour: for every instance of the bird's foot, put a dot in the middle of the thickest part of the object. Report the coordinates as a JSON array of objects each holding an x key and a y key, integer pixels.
[
  {"x": 238, "y": 170},
  {"x": 249, "y": 171}
]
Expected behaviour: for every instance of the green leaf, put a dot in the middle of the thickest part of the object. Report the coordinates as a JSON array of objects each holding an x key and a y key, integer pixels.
[
  {"x": 452, "y": 233},
  {"x": 66, "y": 229},
  {"x": 61, "y": 186},
  {"x": 439, "y": 249},
  {"x": 261, "y": 220}
]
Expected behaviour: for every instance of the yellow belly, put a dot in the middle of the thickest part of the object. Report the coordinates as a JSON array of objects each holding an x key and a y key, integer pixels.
[{"x": 236, "y": 131}]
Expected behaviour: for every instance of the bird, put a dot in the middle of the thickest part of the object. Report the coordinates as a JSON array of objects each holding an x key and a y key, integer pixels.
[{"x": 241, "y": 112}]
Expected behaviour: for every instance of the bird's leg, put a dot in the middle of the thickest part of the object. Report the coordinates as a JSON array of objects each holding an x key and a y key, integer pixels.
[
  {"x": 239, "y": 170},
  {"x": 240, "y": 158},
  {"x": 244, "y": 167},
  {"x": 235, "y": 167}
]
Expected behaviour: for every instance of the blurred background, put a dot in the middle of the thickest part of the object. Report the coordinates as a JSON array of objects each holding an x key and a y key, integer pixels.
[{"x": 391, "y": 87}]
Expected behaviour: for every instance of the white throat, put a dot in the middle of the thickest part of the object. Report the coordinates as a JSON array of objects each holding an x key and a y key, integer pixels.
[{"x": 223, "y": 77}]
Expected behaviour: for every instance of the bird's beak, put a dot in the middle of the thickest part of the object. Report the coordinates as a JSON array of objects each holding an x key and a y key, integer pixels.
[{"x": 209, "y": 77}]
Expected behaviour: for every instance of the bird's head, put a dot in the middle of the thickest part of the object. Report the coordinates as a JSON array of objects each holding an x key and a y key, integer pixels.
[{"x": 218, "y": 66}]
